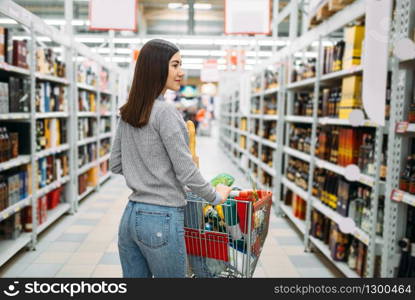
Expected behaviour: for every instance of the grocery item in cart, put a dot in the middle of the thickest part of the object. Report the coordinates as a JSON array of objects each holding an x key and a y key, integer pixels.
[{"x": 223, "y": 178}]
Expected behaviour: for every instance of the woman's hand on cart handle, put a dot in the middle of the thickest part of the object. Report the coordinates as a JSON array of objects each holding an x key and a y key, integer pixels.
[{"x": 224, "y": 191}]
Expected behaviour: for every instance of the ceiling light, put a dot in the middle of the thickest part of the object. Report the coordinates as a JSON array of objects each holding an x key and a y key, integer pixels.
[
  {"x": 195, "y": 52},
  {"x": 7, "y": 21},
  {"x": 195, "y": 41},
  {"x": 187, "y": 61},
  {"x": 192, "y": 67},
  {"x": 97, "y": 40},
  {"x": 202, "y": 6},
  {"x": 175, "y": 5}
]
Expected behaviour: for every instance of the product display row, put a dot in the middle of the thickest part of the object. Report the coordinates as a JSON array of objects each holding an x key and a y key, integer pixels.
[
  {"x": 42, "y": 134},
  {"x": 321, "y": 157}
]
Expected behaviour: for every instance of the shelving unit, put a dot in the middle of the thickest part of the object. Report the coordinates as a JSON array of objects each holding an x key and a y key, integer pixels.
[
  {"x": 69, "y": 198},
  {"x": 398, "y": 202},
  {"x": 231, "y": 135}
]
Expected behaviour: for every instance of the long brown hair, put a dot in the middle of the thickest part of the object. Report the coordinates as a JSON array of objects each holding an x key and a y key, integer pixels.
[{"x": 150, "y": 76}]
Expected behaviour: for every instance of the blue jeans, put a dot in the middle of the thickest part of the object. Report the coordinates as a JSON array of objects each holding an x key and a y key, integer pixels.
[{"x": 151, "y": 241}]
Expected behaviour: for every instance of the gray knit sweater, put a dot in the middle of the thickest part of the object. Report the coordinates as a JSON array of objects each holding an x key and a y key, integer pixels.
[{"x": 156, "y": 161}]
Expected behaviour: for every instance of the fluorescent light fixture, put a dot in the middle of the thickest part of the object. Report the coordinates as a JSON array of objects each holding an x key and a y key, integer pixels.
[
  {"x": 192, "y": 67},
  {"x": 202, "y": 6},
  {"x": 187, "y": 61},
  {"x": 228, "y": 42},
  {"x": 90, "y": 40},
  {"x": 7, "y": 21},
  {"x": 217, "y": 53},
  {"x": 272, "y": 43},
  {"x": 127, "y": 40},
  {"x": 195, "y": 52},
  {"x": 260, "y": 53},
  {"x": 175, "y": 5},
  {"x": 195, "y": 42}
]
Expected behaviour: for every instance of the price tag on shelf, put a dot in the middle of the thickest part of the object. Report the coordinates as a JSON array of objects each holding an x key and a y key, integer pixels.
[
  {"x": 401, "y": 127},
  {"x": 5, "y": 215},
  {"x": 397, "y": 195}
]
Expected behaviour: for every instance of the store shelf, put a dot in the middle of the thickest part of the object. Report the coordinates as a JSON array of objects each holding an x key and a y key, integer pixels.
[
  {"x": 88, "y": 191},
  {"x": 343, "y": 73},
  {"x": 87, "y": 141},
  {"x": 87, "y": 167},
  {"x": 86, "y": 87},
  {"x": 5, "y": 213},
  {"x": 269, "y": 143},
  {"x": 8, "y": 248},
  {"x": 241, "y": 132},
  {"x": 271, "y": 91},
  {"x": 53, "y": 215},
  {"x": 105, "y": 177},
  {"x": 258, "y": 94},
  {"x": 296, "y": 189},
  {"x": 306, "y": 83},
  {"x": 51, "y": 78},
  {"x": 52, "y": 151},
  {"x": 270, "y": 170},
  {"x": 341, "y": 266},
  {"x": 104, "y": 158},
  {"x": 365, "y": 179},
  {"x": 270, "y": 117},
  {"x": 12, "y": 69},
  {"x": 404, "y": 197},
  {"x": 106, "y": 92},
  {"x": 338, "y": 219},
  {"x": 105, "y": 114},
  {"x": 300, "y": 224},
  {"x": 87, "y": 114},
  {"x": 255, "y": 137},
  {"x": 299, "y": 119},
  {"x": 345, "y": 122},
  {"x": 54, "y": 185},
  {"x": 15, "y": 162},
  {"x": 48, "y": 115},
  {"x": 255, "y": 116},
  {"x": 105, "y": 135},
  {"x": 15, "y": 116},
  {"x": 298, "y": 154}
]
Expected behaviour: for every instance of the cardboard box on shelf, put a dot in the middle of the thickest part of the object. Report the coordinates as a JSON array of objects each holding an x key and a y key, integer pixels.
[
  {"x": 351, "y": 96},
  {"x": 354, "y": 37}
]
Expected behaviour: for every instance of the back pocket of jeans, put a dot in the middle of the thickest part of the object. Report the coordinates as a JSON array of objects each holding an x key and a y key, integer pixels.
[{"x": 152, "y": 228}]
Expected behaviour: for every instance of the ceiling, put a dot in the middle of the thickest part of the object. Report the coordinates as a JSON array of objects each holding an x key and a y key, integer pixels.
[{"x": 155, "y": 19}]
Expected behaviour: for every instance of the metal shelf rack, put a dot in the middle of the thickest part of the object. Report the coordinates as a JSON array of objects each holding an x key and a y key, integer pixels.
[
  {"x": 231, "y": 135},
  {"x": 36, "y": 27}
]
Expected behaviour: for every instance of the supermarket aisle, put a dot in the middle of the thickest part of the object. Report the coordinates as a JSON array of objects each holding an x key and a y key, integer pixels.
[{"x": 85, "y": 245}]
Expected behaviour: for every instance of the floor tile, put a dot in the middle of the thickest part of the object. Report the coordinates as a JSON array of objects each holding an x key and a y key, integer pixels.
[
  {"x": 64, "y": 246},
  {"x": 110, "y": 258},
  {"x": 72, "y": 237},
  {"x": 305, "y": 261},
  {"x": 107, "y": 271},
  {"x": 87, "y": 222},
  {"x": 89, "y": 246},
  {"x": 41, "y": 270},
  {"x": 315, "y": 273},
  {"x": 49, "y": 257},
  {"x": 85, "y": 258},
  {"x": 288, "y": 240},
  {"x": 76, "y": 271}
]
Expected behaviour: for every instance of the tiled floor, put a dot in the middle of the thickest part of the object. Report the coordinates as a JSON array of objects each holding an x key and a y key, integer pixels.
[{"x": 85, "y": 244}]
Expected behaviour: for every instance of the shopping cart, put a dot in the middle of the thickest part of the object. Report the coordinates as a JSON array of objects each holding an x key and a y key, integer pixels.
[{"x": 226, "y": 240}]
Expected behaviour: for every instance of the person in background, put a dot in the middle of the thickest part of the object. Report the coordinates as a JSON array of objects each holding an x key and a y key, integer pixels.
[{"x": 151, "y": 151}]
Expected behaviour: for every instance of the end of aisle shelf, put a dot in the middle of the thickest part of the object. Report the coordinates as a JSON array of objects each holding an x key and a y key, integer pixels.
[{"x": 25, "y": 123}]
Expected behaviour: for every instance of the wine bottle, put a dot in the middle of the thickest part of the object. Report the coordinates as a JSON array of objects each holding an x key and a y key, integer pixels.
[{"x": 403, "y": 268}]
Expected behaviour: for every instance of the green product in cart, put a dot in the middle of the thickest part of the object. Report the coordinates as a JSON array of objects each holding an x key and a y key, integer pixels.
[{"x": 223, "y": 178}]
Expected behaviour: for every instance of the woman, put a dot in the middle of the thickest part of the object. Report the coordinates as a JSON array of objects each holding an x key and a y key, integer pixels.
[{"x": 151, "y": 150}]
